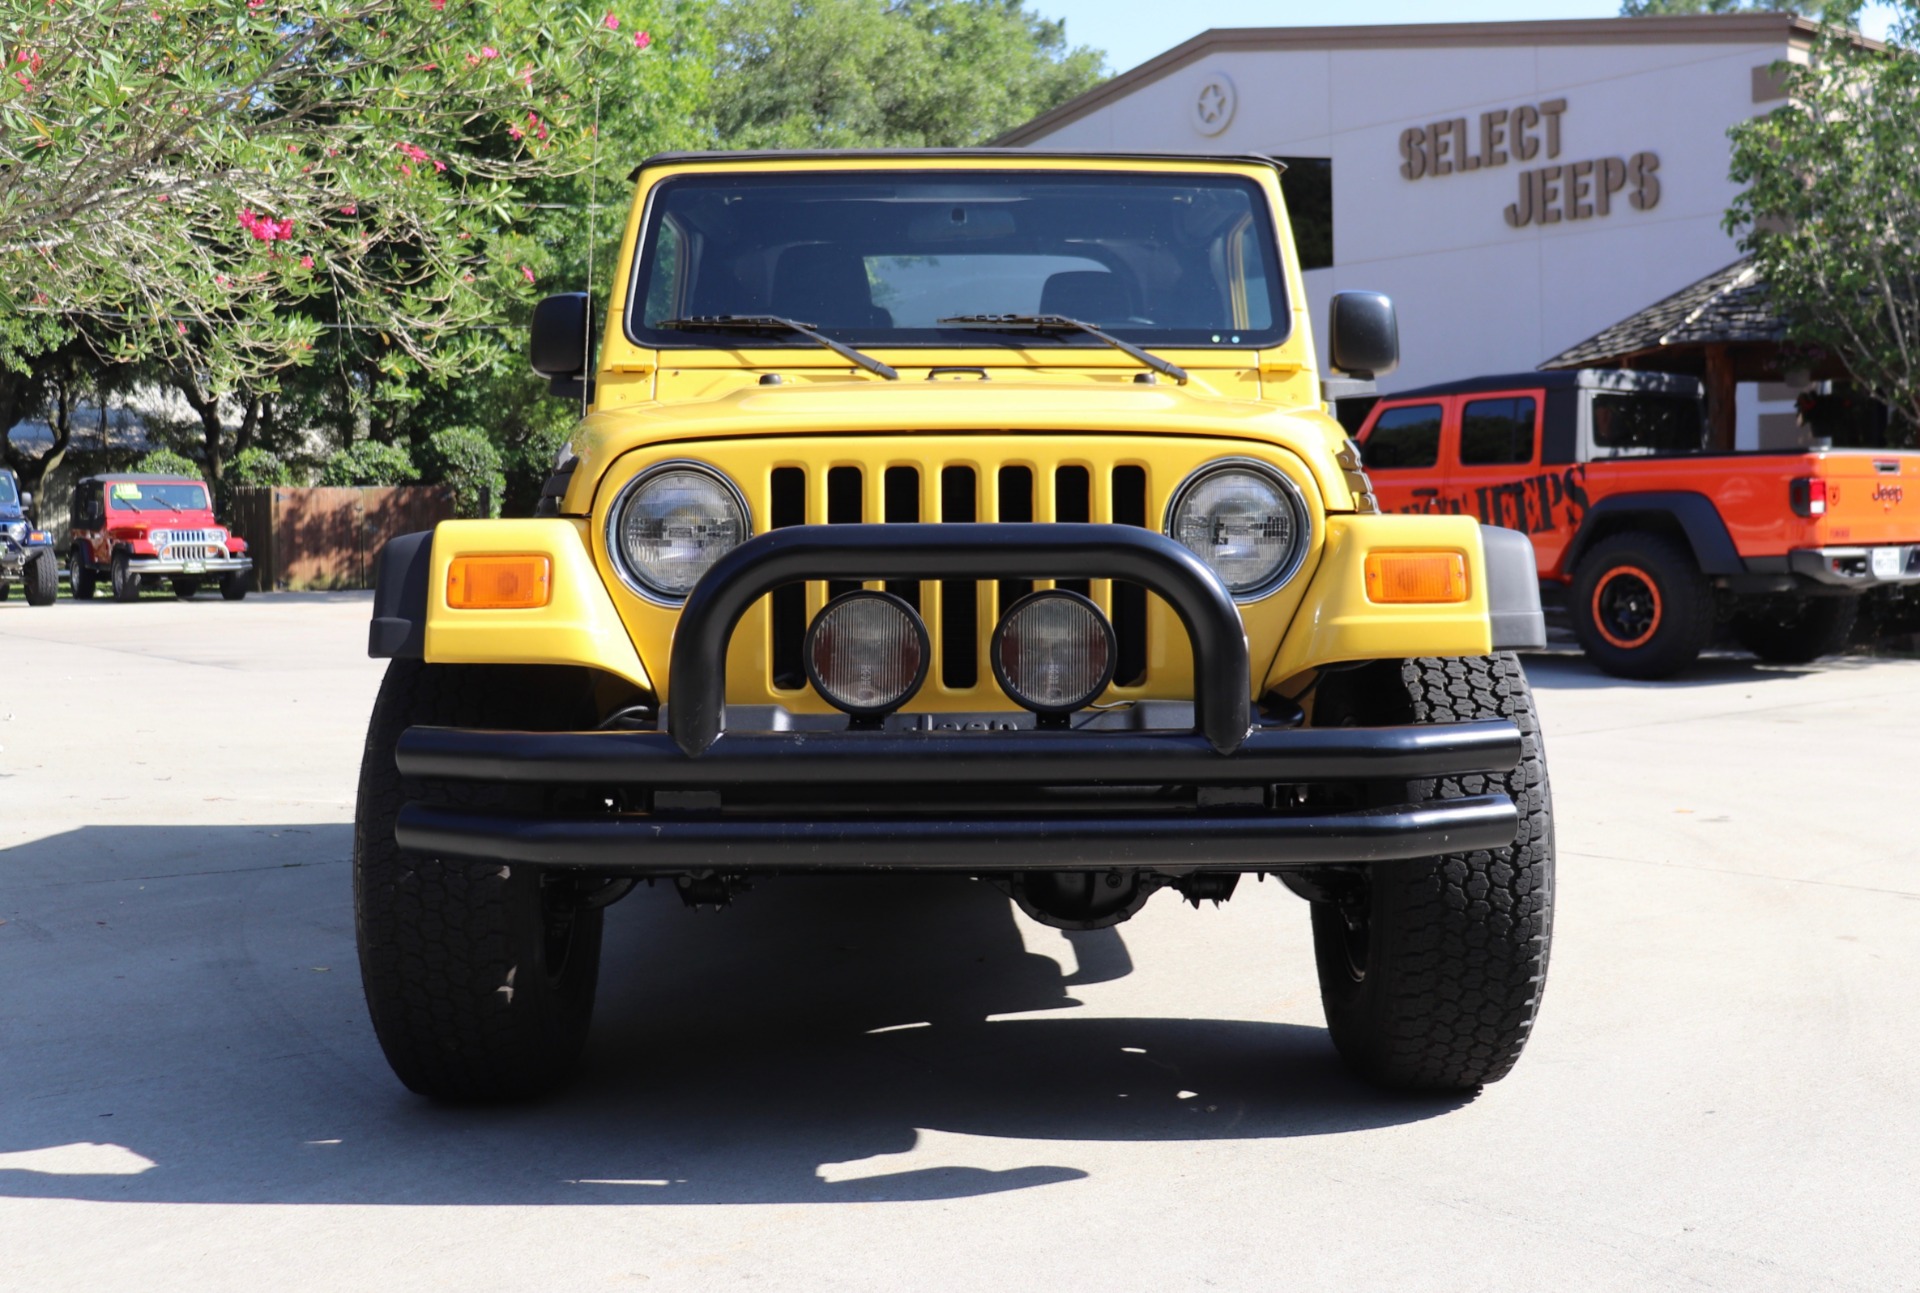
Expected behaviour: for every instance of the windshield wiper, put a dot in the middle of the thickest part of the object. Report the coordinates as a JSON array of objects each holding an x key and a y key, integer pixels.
[
  {"x": 774, "y": 322},
  {"x": 1061, "y": 323}
]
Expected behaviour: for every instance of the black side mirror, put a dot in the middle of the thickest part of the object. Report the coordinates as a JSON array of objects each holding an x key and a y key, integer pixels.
[
  {"x": 1363, "y": 334},
  {"x": 559, "y": 341}
]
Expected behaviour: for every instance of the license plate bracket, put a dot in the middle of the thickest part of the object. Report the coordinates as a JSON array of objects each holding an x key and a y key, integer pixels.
[
  {"x": 196, "y": 567},
  {"x": 1888, "y": 563}
]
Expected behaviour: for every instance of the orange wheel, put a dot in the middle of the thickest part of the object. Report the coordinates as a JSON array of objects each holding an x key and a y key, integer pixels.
[{"x": 1626, "y": 607}]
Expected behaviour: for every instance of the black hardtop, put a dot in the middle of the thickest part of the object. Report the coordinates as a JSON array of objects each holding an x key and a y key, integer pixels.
[
  {"x": 1559, "y": 379},
  {"x": 140, "y": 478},
  {"x": 937, "y": 154}
]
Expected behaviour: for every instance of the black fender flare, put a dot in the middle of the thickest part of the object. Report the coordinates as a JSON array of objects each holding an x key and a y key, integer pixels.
[
  {"x": 399, "y": 628},
  {"x": 1695, "y": 515}
]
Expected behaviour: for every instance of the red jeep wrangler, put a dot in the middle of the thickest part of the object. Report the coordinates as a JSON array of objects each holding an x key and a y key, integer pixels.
[
  {"x": 1653, "y": 538},
  {"x": 131, "y": 528}
]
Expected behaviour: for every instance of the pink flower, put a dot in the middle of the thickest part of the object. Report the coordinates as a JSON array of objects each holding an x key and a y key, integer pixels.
[
  {"x": 181, "y": 328},
  {"x": 488, "y": 51},
  {"x": 406, "y": 170},
  {"x": 514, "y": 132},
  {"x": 306, "y": 262},
  {"x": 349, "y": 209},
  {"x": 612, "y": 23},
  {"x": 526, "y": 76},
  {"x": 438, "y": 5},
  {"x": 256, "y": 4},
  {"x": 526, "y": 273},
  {"x": 439, "y": 166},
  {"x": 641, "y": 40}
]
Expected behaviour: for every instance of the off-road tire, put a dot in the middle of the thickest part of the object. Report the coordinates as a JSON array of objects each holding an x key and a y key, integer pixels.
[
  {"x": 1431, "y": 971},
  {"x": 233, "y": 585},
  {"x": 79, "y": 578},
  {"x": 472, "y": 997},
  {"x": 184, "y": 587},
  {"x": 5, "y": 590},
  {"x": 42, "y": 582},
  {"x": 1656, "y": 573},
  {"x": 1799, "y": 631},
  {"x": 126, "y": 584}
]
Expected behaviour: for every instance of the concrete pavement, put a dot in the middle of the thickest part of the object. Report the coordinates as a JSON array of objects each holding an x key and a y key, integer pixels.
[{"x": 905, "y": 1084}]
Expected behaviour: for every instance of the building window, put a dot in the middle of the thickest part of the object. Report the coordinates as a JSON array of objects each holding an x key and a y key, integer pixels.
[
  {"x": 1497, "y": 432},
  {"x": 1408, "y": 436},
  {"x": 1308, "y": 186}
]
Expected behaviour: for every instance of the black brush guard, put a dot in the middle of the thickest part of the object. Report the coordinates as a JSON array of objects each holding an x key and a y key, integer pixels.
[{"x": 1225, "y": 749}]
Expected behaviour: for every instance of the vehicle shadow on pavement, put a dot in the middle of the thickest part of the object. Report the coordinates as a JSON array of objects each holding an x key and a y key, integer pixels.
[
  {"x": 1571, "y": 671},
  {"x": 197, "y": 1035}
]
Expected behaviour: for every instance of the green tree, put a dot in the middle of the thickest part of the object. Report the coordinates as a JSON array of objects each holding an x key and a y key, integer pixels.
[
  {"x": 1831, "y": 208},
  {"x": 165, "y": 462},
  {"x": 370, "y": 462},
  {"x": 466, "y": 458},
  {"x": 1664, "y": 8},
  {"x": 219, "y": 187},
  {"x": 258, "y": 466},
  {"x": 867, "y": 73}
]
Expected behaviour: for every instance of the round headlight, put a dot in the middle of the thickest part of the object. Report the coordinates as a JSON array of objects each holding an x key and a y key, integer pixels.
[
  {"x": 671, "y": 524},
  {"x": 867, "y": 653},
  {"x": 1246, "y": 521},
  {"x": 1053, "y": 651}
]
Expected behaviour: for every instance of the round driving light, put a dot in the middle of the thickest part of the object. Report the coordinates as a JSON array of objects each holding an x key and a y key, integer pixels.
[
  {"x": 1053, "y": 651},
  {"x": 867, "y": 653},
  {"x": 1246, "y": 521},
  {"x": 670, "y": 525}
]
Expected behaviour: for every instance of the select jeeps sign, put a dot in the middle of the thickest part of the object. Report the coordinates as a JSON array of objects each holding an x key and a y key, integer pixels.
[{"x": 1548, "y": 194}]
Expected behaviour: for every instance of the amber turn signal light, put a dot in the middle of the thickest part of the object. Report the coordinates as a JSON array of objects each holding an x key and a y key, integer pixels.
[
  {"x": 1416, "y": 577},
  {"x": 496, "y": 582}
]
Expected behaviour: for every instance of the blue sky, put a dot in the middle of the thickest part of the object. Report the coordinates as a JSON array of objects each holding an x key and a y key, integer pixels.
[{"x": 1133, "y": 31}]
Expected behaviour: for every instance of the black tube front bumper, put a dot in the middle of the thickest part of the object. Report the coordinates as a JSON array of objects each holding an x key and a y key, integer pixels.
[{"x": 1226, "y": 795}]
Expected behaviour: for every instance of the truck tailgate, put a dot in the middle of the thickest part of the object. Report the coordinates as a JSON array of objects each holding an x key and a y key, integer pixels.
[{"x": 1872, "y": 497}]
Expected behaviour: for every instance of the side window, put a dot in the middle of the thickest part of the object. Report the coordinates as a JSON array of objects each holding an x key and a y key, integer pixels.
[
  {"x": 663, "y": 279},
  {"x": 1637, "y": 424},
  {"x": 1408, "y": 436},
  {"x": 1497, "y": 432}
]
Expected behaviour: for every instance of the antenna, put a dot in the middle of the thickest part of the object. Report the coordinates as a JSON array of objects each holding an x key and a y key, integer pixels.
[{"x": 593, "y": 248}]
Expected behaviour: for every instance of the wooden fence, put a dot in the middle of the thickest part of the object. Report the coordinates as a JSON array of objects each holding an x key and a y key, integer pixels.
[{"x": 328, "y": 537}]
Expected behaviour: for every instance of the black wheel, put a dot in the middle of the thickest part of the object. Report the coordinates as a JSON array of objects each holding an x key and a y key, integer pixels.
[
  {"x": 233, "y": 585},
  {"x": 184, "y": 587},
  {"x": 479, "y": 977},
  {"x": 6, "y": 590},
  {"x": 126, "y": 584},
  {"x": 1640, "y": 606},
  {"x": 43, "y": 579},
  {"x": 1431, "y": 971},
  {"x": 1796, "y": 630},
  {"x": 79, "y": 578}
]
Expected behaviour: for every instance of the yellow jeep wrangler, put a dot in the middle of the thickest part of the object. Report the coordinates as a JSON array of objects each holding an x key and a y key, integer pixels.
[{"x": 965, "y": 512}]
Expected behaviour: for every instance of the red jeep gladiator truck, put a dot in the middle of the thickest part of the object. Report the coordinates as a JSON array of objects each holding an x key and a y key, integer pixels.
[{"x": 1652, "y": 538}]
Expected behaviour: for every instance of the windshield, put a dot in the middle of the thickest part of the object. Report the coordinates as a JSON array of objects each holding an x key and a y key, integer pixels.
[
  {"x": 7, "y": 497},
  {"x": 146, "y": 496},
  {"x": 879, "y": 258}
]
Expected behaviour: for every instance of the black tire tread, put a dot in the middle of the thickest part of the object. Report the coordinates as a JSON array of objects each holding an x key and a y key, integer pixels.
[
  {"x": 1461, "y": 941},
  {"x": 442, "y": 940}
]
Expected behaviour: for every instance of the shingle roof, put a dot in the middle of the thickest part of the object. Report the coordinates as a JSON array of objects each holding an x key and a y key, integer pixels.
[{"x": 1729, "y": 305}]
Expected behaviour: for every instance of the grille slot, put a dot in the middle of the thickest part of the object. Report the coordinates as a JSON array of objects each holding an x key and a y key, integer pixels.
[
  {"x": 960, "y": 613},
  {"x": 786, "y": 506},
  {"x": 900, "y": 499},
  {"x": 1130, "y": 600},
  {"x": 959, "y": 598}
]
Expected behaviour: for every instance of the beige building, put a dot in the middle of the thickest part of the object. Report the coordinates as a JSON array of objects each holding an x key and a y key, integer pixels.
[{"x": 1516, "y": 187}]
